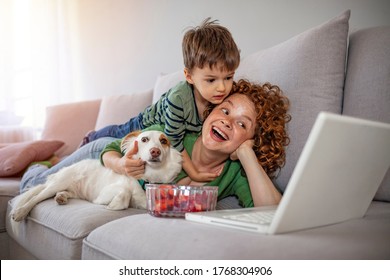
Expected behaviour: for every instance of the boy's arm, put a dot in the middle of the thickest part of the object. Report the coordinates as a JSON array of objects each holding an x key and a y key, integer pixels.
[{"x": 193, "y": 173}]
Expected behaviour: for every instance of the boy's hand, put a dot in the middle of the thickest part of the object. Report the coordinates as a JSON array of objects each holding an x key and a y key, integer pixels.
[
  {"x": 205, "y": 176},
  {"x": 133, "y": 167},
  {"x": 246, "y": 144}
]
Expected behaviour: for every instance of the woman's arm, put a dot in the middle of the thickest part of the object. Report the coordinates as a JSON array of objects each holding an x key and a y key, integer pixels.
[{"x": 263, "y": 190}]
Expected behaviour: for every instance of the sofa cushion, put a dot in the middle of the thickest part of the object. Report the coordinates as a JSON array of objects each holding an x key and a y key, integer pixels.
[
  {"x": 69, "y": 123},
  {"x": 118, "y": 109},
  {"x": 61, "y": 227},
  {"x": 367, "y": 84},
  {"x": 177, "y": 239},
  {"x": 15, "y": 157},
  {"x": 310, "y": 69}
]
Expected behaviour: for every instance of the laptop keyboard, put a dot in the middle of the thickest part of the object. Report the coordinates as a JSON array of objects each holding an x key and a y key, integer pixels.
[{"x": 260, "y": 217}]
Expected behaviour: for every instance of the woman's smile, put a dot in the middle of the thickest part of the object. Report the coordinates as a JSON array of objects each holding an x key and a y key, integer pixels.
[{"x": 218, "y": 135}]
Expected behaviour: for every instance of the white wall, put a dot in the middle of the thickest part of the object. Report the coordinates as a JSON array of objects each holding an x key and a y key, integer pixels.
[{"x": 120, "y": 46}]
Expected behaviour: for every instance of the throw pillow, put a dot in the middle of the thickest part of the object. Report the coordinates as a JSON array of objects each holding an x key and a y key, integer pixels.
[
  {"x": 310, "y": 69},
  {"x": 70, "y": 122},
  {"x": 165, "y": 82},
  {"x": 118, "y": 109},
  {"x": 15, "y": 157},
  {"x": 367, "y": 89}
]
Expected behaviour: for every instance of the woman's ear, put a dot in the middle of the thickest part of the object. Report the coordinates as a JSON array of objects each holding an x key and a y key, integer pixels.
[{"x": 188, "y": 76}]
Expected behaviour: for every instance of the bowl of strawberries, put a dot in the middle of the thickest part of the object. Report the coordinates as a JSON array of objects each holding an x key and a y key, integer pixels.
[{"x": 164, "y": 200}]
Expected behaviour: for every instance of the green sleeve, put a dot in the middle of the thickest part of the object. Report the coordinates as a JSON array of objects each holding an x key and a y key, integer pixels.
[
  {"x": 232, "y": 180},
  {"x": 113, "y": 146},
  {"x": 242, "y": 190}
]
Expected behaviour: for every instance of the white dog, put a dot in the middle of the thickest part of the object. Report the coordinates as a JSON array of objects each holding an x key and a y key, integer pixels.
[{"x": 91, "y": 181}]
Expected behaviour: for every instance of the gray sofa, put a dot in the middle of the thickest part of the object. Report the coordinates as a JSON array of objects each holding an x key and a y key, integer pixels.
[{"x": 326, "y": 68}]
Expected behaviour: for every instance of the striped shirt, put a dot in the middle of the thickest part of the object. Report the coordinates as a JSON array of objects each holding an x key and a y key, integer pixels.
[{"x": 176, "y": 109}]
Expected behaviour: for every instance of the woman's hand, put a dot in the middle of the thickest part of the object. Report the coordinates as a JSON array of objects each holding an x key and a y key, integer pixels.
[
  {"x": 132, "y": 167},
  {"x": 262, "y": 188},
  {"x": 245, "y": 145},
  {"x": 205, "y": 176},
  {"x": 125, "y": 165}
]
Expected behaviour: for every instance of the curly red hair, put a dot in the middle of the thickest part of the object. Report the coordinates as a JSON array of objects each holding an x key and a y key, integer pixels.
[{"x": 270, "y": 138}]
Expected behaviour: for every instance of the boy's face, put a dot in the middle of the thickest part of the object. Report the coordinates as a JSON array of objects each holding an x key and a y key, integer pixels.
[{"x": 212, "y": 84}]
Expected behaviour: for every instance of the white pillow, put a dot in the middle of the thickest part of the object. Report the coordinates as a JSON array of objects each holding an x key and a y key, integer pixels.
[
  {"x": 165, "y": 82},
  {"x": 118, "y": 109}
]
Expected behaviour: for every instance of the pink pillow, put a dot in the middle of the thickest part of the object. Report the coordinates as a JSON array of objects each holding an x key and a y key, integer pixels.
[
  {"x": 15, "y": 157},
  {"x": 69, "y": 123}
]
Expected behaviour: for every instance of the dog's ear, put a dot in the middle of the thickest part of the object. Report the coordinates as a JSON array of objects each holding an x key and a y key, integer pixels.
[
  {"x": 164, "y": 140},
  {"x": 127, "y": 143}
]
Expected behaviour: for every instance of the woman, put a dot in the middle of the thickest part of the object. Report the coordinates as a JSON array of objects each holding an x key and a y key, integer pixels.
[
  {"x": 246, "y": 131},
  {"x": 250, "y": 112}
]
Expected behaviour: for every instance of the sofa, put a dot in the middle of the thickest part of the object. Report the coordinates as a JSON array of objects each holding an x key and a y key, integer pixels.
[{"x": 326, "y": 68}]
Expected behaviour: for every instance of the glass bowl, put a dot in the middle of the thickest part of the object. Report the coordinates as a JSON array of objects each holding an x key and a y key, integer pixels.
[{"x": 164, "y": 200}]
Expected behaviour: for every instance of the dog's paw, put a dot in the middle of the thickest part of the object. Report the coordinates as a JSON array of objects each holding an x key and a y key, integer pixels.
[
  {"x": 139, "y": 203},
  {"x": 19, "y": 214},
  {"x": 61, "y": 198},
  {"x": 116, "y": 207},
  {"x": 138, "y": 200}
]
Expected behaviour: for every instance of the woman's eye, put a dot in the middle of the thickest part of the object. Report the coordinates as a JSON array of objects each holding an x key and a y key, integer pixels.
[
  {"x": 241, "y": 124},
  {"x": 144, "y": 139}
]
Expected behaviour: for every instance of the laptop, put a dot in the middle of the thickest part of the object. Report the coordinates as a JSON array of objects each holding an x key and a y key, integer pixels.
[{"x": 335, "y": 179}]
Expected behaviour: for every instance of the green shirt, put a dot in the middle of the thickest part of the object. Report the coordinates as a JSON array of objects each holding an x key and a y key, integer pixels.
[
  {"x": 176, "y": 109},
  {"x": 230, "y": 182}
]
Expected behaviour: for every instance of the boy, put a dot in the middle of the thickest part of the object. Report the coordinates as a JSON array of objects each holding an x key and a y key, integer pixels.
[{"x": 210, "y": 59}]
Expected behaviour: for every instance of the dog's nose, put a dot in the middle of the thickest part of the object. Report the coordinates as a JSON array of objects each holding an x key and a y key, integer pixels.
[{"x": 155, "y": 152}]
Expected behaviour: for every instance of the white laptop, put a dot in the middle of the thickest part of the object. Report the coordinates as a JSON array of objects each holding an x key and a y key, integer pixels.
[{"x": 335, "y": 179}]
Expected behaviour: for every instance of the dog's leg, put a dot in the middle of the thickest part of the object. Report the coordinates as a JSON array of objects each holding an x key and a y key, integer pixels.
[
  {"x": 116, "y": 196},
  {"x": 62, "y": 197},
  {"x": 55, "y": 183},
  {"x": 21, "y": 207},
  {"x": 120, "y": 201},
  {"x": 47, "y": 191},
  {"x": 127, "y": 195},
  {"x": 107, "y": 194},
  {"x": 138, "y": 196}
]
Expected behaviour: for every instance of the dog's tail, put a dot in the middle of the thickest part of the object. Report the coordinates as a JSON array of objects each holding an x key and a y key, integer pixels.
[{"x": 21, "y": 199}]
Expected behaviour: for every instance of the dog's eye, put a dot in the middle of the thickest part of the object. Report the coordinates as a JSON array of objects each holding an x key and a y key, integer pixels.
[
  {"x": 163, "y": 141},
  {"x": 144, "y": 139}
]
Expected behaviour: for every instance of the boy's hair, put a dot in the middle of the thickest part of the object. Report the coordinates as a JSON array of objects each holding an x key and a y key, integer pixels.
[{"x": 210, "y": 44}]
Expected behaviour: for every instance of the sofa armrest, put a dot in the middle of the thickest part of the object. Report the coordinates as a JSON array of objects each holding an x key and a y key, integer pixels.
[{"x": 13, "y": 134}]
